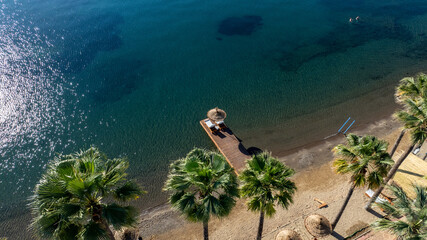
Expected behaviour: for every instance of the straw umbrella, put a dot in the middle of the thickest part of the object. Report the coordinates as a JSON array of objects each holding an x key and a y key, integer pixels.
[
  {"x": 217, "y": 114},
  {"x": 288, "y": 235},
  {"x": 318, "y": 226}
]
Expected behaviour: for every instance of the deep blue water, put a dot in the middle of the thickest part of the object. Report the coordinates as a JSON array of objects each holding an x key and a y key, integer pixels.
[{"x": 135, "y": 77}]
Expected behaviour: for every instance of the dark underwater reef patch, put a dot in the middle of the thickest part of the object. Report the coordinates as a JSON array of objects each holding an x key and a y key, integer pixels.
[
  {"x": 341, "y": 39},
  {"x": 418, "y": 51},
  {"x": 402, "y": 11},
  {"x": 245, "y": 25},
  {"x": 116, "y": 79},
  {"x": 339, "y": 5},
  {"x": 394, "y": 9},
  {"x": 77, "y": 38}
]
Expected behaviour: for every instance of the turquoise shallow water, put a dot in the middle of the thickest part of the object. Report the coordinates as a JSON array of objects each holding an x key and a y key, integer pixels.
[{"x": 135, "y": 77}]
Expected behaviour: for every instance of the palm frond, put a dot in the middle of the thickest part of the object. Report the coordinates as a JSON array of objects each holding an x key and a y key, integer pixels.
[
  {"x": 365, "y": 158},
  {"x": 414, "y": 223},
  {"x": 202, "y": 184},
  {"x": 119, "y": 216},
  {"x": 82, "y": 187},
  {"x": 269, "y": 209},
  {"x": 129, "y": 191},
  {"x": 265, "y": 182},
  {"x": 45, "y": 225},
  {"x": 227, "y": 202},
  {"x": 115, "y": 171},
  {"x": 67, "y": 197},
  {"x": 421, "y": 199},
  {"x": 93, "y": 231},
  {"x": 69, "y": 232},
  {"x": 255, "y": 204}
]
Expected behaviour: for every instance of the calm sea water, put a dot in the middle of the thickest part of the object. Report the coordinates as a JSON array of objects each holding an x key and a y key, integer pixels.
[{"x": 135, "y": 77}]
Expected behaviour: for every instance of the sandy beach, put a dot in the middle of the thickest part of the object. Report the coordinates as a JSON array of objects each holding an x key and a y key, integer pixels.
[{"x": 315, "y": 178}]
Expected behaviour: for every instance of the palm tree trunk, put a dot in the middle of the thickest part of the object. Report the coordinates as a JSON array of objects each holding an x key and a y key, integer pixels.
[
  {"x": 397, "y": 142},
  {"x": 347, "y": 199},
  {"x": 205, "y": 230},
  {"x": 97, "y": 218},
  {"x": 260, "y": 226},
  {"x": 390, "y": 174},
  {"x": 107, "y": 229}
]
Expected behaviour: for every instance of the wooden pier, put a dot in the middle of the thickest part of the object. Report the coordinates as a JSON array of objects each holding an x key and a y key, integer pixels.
[{"x": 230, "y": 146}]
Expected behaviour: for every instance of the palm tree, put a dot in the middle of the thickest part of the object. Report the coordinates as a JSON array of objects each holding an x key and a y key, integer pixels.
[
  {"x": 202, "y": 184},
  {"x": 265, "y": 181},
  {"x": 412, "y": 222},
  {"x": 68, "y": 200},
  {"x": 412, "y": 88},
  {"x": 414, "y": 118},
  {"x": 366, "y": 160}
]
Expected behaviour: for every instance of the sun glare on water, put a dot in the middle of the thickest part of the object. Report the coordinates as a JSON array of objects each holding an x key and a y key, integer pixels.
[{"x": 31, "y": 105}]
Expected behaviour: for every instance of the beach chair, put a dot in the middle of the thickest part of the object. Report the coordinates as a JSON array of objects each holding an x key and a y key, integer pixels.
[
  {"x": 369, "y": 193},
  {"x": 214, "y": 128},
  {"x": 221, "y": 125}
]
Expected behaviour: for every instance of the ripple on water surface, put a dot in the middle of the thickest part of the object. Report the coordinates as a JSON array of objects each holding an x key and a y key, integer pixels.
[{"x": 33, "y": 100}]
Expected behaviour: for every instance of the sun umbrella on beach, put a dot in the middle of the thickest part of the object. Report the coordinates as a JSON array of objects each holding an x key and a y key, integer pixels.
[
  {"x": 288, "y": 235},
  {"x": 318, "y": 226},
  {"x": 217, "y": 114}
]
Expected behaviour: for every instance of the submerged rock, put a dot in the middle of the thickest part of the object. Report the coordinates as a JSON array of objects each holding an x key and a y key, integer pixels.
[
  {"x": 245, "y": 25},
  {"x": 116, "y": 79},
  {"x": 342, "y": 38}
]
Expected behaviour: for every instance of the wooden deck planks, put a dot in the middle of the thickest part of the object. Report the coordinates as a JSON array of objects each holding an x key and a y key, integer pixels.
[{"x": 230, "y": 146}]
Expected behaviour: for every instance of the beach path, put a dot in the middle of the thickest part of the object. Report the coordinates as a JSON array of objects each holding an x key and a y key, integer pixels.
[{"x": 230, "y": 146}]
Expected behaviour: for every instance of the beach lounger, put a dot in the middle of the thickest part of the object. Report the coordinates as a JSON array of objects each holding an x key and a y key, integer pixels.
[
  {"x": 214, "y": 128},
  {"x": 416, "y": 151},
  {"x": 221, "y": 125},
  {"x": 369, "y": 193}
]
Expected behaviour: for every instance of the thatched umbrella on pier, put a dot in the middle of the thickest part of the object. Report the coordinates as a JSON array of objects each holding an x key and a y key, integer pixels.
[
  {"x": 217, "y": 114},
  {"x": 288, "y": 235},
  {"x": 318, "y": 226}
]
